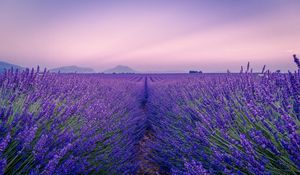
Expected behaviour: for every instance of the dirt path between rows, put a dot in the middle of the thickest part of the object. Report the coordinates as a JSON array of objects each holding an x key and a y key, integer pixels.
[{"x": 144, "y": 152}]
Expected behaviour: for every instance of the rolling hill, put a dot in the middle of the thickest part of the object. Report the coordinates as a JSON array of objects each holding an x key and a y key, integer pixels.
[
  {"x": 120, "y": 69},
  {"x": 72, "y": 69},
  {"x": 4, "y": 66}
]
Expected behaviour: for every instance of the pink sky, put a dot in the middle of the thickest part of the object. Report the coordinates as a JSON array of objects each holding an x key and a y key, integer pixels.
[{"x": 151, "y": 36}]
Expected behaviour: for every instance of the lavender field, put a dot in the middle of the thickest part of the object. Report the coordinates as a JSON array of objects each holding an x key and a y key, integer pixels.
[{"x": 234, "y": 123}]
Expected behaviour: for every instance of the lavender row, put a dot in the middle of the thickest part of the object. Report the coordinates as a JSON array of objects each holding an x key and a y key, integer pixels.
[
  {"x": 227, "y": 123},
  {"x": 66, "y": 123}
]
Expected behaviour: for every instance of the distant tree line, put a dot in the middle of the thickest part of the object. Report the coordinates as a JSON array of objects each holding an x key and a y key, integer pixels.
[{"x": 195, "y": 72}]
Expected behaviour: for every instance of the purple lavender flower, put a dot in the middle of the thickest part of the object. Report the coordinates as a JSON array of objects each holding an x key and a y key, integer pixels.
[
  {"x": 52, "y": 164},
  {"x": 4, "y": 142},
  {"x": 27, "y": 135},
  {"x": 3, "y": 164},
  {"x": 195, "y": 168},
  {"x": 41, "y": 147},
  {"x": 296, "y": 60}
]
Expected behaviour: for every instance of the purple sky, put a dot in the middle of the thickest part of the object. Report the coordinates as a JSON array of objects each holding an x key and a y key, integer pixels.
[{"x": 156, "y": 35}]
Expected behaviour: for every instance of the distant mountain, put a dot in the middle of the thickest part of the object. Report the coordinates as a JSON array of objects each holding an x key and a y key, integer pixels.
[
  {"x": 72, "y": 69},
  {"x": 5, "y": 65},
  {"x": 120, "y": 69}
]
